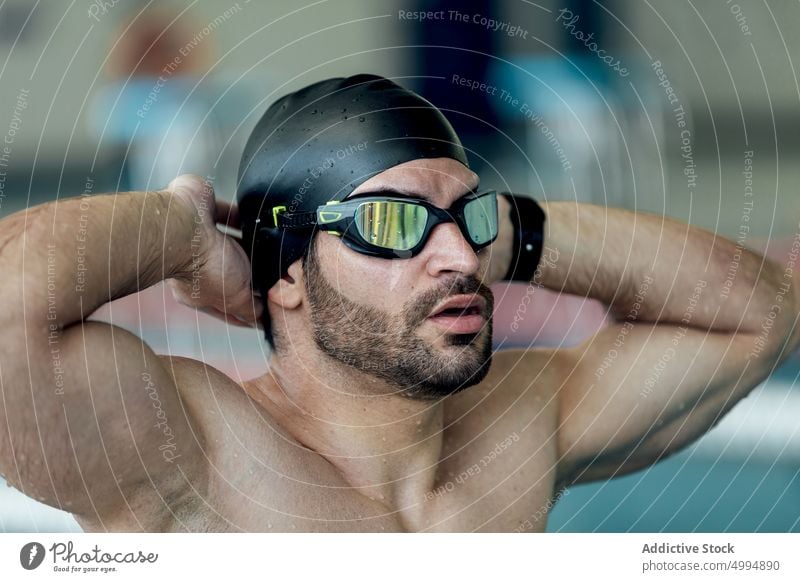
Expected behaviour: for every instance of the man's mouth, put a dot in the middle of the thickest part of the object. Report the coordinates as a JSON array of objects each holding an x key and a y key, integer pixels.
[{"x": 460, "y": 314}]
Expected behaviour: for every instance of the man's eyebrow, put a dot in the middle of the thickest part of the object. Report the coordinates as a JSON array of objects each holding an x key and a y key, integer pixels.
[{"x": 395, "y": 193}]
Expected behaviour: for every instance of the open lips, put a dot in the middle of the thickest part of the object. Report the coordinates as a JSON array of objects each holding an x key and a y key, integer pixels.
[{"x": 460, "y": 314}]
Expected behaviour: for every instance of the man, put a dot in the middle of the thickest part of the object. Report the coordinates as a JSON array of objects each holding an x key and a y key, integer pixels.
[{"x": 384, "y": 408}]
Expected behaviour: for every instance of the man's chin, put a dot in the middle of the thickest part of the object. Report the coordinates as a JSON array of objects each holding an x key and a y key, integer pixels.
[
  {"x": 451, "y": 376},
  {"x": 459, "y": 361},
  {"x": 447, "y": 342}
]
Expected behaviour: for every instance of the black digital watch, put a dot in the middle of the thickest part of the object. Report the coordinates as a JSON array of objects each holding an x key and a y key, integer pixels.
[{"x": 528, "y": 219}]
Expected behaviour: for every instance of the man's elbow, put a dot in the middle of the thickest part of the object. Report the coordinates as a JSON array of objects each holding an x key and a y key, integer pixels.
[
  {"x": 778, "y": 332},
  {"x": 790, "y": 320}
]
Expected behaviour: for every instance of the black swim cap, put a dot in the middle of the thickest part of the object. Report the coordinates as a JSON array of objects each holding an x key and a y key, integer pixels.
[{"x": 319, "y": 144}]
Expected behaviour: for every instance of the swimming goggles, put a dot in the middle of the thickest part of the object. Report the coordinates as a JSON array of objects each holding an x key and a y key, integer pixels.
[{"x": 392, "y": 227}]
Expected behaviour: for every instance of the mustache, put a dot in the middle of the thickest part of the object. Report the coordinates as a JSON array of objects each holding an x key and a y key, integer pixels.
[{"x": 420, "y": 307}]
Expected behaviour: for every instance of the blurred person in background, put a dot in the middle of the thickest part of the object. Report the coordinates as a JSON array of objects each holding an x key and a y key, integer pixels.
[{"x": 156, "y": 103}]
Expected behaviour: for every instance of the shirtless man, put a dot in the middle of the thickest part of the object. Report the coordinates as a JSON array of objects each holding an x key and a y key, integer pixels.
[{"x": 438, "y": 435}]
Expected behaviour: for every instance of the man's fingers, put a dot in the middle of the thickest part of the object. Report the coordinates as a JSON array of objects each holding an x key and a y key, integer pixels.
[
  {"x": 228, "y": 214},
  {"x": 226, "y": 316},
  {"x": 188, "y": 184},
  {"x": 247, "y": 309},
  {"x": 197, "y": 189}
]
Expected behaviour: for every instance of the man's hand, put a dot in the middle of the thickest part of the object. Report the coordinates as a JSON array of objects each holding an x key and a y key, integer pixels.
[{"x": 217, "y": 281}]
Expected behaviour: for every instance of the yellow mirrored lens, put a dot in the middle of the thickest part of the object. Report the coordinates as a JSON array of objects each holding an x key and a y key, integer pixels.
[
  {"x": 391, "y": 225},
  {"x": 480, "y": 216}
]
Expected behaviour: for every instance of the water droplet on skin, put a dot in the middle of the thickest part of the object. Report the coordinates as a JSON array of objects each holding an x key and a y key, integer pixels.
[
  {"x": 361, "y": 119},
  {"x": 383, "y": 439},
  {"x": 419, "y": 422}
]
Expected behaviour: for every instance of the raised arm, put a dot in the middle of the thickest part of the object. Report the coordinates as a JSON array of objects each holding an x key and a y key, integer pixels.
[
  {"x": 700, "y": 322},
  {"x": 89, "y": 414}
]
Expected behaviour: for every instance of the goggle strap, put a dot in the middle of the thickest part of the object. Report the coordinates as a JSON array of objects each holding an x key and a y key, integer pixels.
[{"x": 297, "y": 220}]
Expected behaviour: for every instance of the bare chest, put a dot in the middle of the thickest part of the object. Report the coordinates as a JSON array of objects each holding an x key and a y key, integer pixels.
[
  {"x": 496, "y": 473},
  {"x": 481, "y": 492},
  {"x": 491, "y": 477}
]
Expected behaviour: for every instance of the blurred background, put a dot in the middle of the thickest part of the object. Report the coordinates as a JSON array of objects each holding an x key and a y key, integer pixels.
[{"x": 671, "y": 106}]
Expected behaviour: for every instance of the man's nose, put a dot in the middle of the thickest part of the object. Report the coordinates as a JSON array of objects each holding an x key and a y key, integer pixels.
[{"x": 449, "y": 252}]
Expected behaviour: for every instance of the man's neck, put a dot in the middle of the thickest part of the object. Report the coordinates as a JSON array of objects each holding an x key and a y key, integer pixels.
[{"x": 385, "y": 445}]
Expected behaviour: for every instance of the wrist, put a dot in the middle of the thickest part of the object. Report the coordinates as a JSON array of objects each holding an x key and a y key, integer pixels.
[
  {"x": 185, "y": 242},
  {"x": 527, "y": 220},
  {"x": 553, "y": 268}
]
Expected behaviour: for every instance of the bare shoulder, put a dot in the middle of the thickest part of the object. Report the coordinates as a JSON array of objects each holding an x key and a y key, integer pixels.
[
  {"x": 223, "y": 412},
  {"x": 217, "y": 412},
  {"x": 200, "y": 384}
]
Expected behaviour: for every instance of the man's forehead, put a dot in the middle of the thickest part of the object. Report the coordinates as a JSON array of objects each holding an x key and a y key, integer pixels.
[{"x": 439, "y": 181}]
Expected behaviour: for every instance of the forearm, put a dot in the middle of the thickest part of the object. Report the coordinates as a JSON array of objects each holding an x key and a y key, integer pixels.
[
  {"x": 64, "y": 259},
  {"x": 657, "y": 269}
]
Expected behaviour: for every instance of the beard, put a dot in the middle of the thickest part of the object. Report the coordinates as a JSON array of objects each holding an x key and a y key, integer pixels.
[{"x": 386, "y": 346}]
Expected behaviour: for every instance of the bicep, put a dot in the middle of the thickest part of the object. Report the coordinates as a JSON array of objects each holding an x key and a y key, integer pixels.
[
  {"x": 97, "y": 415},
  {"x": 636, "y": 392}
]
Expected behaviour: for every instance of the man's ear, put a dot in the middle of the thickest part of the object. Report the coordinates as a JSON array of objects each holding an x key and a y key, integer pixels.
[{"x": 288, "y": 291}]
